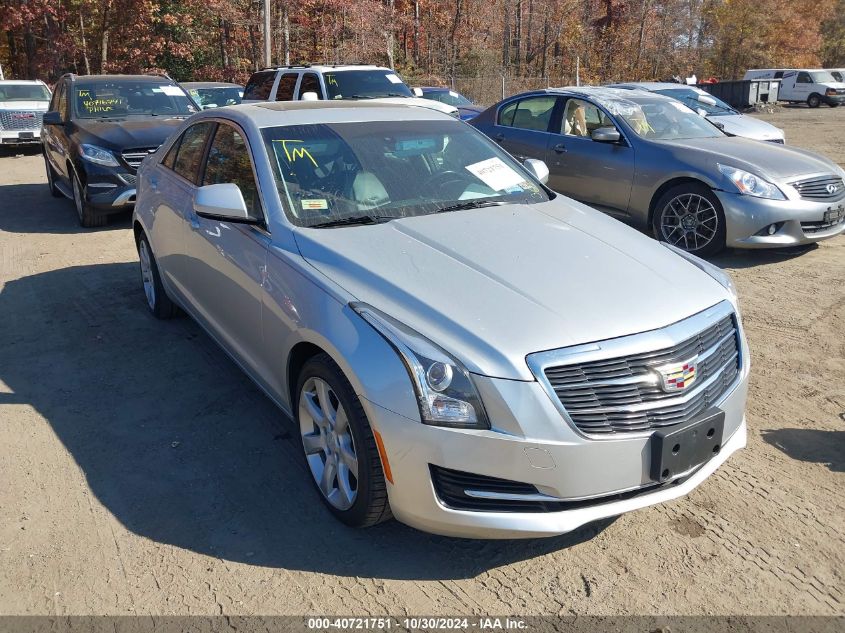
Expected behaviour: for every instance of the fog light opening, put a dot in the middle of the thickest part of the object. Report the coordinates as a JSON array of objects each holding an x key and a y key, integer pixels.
[{"x": 716, "y": 449}]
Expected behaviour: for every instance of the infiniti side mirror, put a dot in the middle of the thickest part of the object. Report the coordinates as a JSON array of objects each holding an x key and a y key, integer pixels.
[
  {"x": 606, "y": 135},
  {"x": 538, "y": 169},
  {"x": 222, "y": 202},
  {"x": 54, "y": 117}
]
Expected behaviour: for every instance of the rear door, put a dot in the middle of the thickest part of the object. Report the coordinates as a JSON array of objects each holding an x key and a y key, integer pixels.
[
  {"x": 522, "y": 126},
  {"x": 226, "y": 260},
  {"x": 287, "y": 86},
  {"x": 594, "y": 172},
  {"x": 171, "y": 188}
]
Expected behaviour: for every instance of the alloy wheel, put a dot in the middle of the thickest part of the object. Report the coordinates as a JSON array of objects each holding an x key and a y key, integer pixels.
[
  {"x": 327, "y": 440},
  {"x": 147, "y": 273},
  {"x": 689, "y": 221}
]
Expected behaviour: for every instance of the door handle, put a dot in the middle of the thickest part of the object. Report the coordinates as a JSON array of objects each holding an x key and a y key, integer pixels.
[
  {"x": 499, "y": 137},
  {"x": 560, "y": 148}
]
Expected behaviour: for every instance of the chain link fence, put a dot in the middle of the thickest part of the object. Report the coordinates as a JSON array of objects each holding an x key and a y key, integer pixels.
[{"x": 486, "y": 91}]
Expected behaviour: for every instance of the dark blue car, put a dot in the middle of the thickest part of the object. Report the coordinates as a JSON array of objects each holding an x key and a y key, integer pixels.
[{"x": 467, "y": 109}]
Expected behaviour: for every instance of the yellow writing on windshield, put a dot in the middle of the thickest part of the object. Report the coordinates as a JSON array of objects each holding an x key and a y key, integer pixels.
[
  {"x": 100, "y": 105},
  {"x": 331, "y": 80},
  {"x": 292, "y": 154}
]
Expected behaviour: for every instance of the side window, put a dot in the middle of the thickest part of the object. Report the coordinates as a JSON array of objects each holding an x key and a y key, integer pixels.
[
  {"x": 259, "y": 86},
  {"x": 170, "y": 157},
  {"x": 310, "y": 83},
  {"x": 191, "y": 148},
  {"x": 804, "y": 78},
  {"x": 779, "y": 74},
  {"x": 61, "y": 101},
  {"x": 533, "y": 113},
  {"x": 228, "y": 161},
  {"x": 286, "y": 85},
  {"x": 582, "y": 118}
]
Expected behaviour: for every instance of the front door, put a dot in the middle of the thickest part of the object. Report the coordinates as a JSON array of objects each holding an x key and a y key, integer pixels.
[
  {"x": 522, "y": 127},
  {"x": 594, "y": 172},
  {"x": 226, "y": 260}
]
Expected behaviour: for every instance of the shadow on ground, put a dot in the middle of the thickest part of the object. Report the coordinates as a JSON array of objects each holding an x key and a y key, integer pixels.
[
  {"x": 29, "y": 208},
  {"x": 749, "y": 258},
  {"x": 183, "y": 449},
  {"x": 811, "y": 445}
]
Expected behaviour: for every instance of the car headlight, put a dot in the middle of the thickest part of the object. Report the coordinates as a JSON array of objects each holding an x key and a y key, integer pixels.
[
  {"x": 445, "y": 392},
  {"x": 714, "y": 271},
  {"x": 751, "y": 185},
  {"x": 98, "y": 155}
]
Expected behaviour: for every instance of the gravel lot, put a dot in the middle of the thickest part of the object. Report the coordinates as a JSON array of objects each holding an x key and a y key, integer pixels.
[{"x": 142, "y": 472}]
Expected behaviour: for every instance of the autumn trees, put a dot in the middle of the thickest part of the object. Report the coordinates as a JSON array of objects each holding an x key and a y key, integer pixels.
[{"x": 425, "y": 39}]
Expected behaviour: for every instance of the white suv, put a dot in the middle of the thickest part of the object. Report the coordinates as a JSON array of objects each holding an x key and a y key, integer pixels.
[
  {"x": 22, "y": 107},
  {"x": 292, "y": 83}
]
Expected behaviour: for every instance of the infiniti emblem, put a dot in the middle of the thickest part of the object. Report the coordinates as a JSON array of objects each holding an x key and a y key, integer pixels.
[{"x": 832, "y": 189}]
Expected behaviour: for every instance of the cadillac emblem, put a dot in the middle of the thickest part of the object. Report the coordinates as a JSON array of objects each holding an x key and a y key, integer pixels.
[{"x": 678, "y": 376}]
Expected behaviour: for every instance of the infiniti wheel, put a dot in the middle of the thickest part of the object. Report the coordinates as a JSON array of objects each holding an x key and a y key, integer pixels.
[{"x": 690, "y": 217}]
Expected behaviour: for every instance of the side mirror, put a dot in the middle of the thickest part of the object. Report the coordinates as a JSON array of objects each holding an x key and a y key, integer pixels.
[
  {"x": 606, "y": 135},
  {"x": 208, "y": 106},
  {"x": 417, "y": 92},
  {"x": 53, "y": 117},
  {"x": 309, "y": 96},
  {"x": 538, "y": 169},
  {"x": 221, "y": 202}
]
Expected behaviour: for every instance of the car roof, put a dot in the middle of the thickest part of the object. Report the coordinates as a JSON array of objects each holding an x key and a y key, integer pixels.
[
  {"x": 111, "y": 78},
  {"x": 273, "y": 113},
  {"x": 330, "y": 67},
  {"x": 436, "y": 88},
  {"x": 209, "y": 84}
]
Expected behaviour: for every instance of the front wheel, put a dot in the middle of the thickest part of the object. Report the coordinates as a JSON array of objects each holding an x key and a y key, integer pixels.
[
  {"x": 690, "y": 217},
  {"x": 339, "y": 445},
  {"x": 813, "y": 101},
  {"x": 87, "y": 216}
]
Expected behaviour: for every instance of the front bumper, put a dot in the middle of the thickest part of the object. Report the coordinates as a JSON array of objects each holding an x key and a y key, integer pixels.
[
  {"x": 535, "y": 445},
  {"x": 833, "y": 99},
  {"x": 109, "y": 189},
  {"x": 746, "y": 216},
  {"x": 20, "y": 137}
]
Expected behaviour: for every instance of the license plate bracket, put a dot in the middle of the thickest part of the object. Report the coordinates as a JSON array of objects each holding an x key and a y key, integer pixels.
[
  {"x": 26, "y": 135},
  {"x": 831, "y": 216},
  {"x": 677, "y": 451}
]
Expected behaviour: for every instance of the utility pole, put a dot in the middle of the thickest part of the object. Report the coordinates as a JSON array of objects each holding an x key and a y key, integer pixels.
[{"x": 267, "y": 49}]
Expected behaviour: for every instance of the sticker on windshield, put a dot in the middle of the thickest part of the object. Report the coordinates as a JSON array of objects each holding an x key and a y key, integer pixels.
[
  {"x": 393, "y": 79},
  {"x": 172, "y": 91},
  {"x": 495, "y": 174},
  {"x": 315, "y": 204}
]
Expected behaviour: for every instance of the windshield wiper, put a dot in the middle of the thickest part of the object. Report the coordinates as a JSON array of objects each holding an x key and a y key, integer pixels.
[
  {"x": 355, "y": 219},
  {"x": 476, "y": 203}
]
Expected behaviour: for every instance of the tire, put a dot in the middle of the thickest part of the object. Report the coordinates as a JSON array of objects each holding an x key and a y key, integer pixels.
[
  {"x": 87, "y": 216},
  {"x": 51, "y": 180},
  {"x": 813, "y": 101},
  {"x": 157, "y": 300},
  {"x": 356, "y": 496},
  {"x": 674, "y": 218}
]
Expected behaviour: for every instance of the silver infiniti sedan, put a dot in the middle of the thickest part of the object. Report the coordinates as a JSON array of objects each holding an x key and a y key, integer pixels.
[
  {"x": 651, "y": 161},
  {"x": 730, "y": 121},
  {"x": 458, "y": 346}
]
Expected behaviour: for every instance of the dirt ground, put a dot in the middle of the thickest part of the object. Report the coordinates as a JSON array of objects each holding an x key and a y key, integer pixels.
[{"x": 141, "y": 472}]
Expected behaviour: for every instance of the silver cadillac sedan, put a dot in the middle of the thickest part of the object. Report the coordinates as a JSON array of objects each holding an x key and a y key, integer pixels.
[
  {"x": 651, "y": 161},
  {"x": 459, "y": 346}
]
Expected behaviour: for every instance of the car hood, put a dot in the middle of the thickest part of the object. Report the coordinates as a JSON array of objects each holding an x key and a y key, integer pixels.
[
  {"x": 747, "y": 127},
  {"x": 419, "y": 101},
  {"x": 772, "y": 161},
  {"x": 119, "y": 134},
  {"x": 40, "y": 106},
  {"x": 493, "y": 285}
]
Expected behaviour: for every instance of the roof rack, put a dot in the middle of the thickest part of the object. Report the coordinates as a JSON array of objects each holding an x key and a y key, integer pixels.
[{"x": 287, "y": 66}]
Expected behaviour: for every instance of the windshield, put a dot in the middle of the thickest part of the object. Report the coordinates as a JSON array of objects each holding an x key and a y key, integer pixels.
[
  {"x": 449, "y": 97},
  {"x": 24, "y": 92},
  {"x": 822, "y": 77},
  {"x": 665, "y": 120},
  {"x": 332, "y": 173},
  {"x": 109, "y": 100},
  {"x": 216, "y": 97},
  {"x": 837, "y": 75},
  {"x": 698, "y": 101},
  {"x": 365, "y": 84}
]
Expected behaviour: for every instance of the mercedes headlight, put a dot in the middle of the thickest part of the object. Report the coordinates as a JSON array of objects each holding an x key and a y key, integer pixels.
[
  {"x": 714, "y": 271},
  {"x": 751, "y": 185},
  {"x": 445, "y": 392},
  {"x": 98, "y": 155}
]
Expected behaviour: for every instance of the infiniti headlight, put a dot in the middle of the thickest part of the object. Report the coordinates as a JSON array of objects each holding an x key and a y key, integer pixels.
[
  {"x": 714, "y": 271},
  {"x": 751, "y": 185},
  {"x": 445, "y": 392},
  {"x": 98, "y": 155}
]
